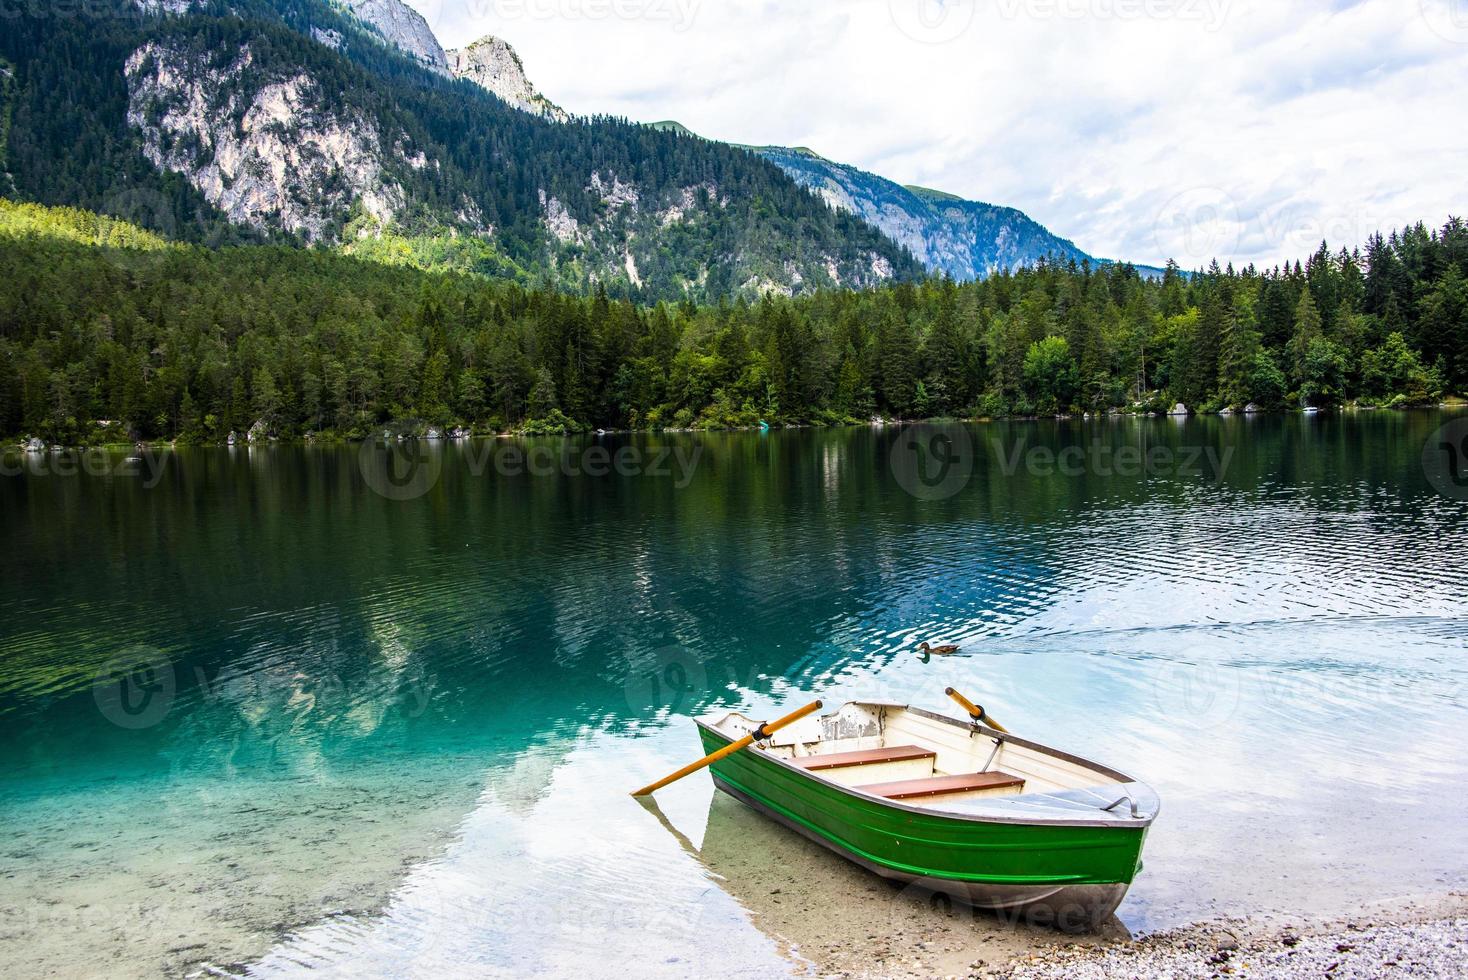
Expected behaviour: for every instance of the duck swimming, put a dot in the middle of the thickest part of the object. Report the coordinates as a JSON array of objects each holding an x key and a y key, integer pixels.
[{"x": 926, "y": 651}]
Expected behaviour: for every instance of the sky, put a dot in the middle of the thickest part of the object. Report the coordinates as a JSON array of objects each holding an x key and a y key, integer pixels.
[{"x": 1246, "y": 130}]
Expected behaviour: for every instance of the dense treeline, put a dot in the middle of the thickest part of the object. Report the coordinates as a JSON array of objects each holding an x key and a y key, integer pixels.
[
  {"x": 69, "y": 143},
  {"x": 99, "y": 320}
]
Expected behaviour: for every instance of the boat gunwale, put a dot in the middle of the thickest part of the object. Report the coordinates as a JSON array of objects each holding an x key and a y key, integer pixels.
[{"x": 1139, "y": 823}]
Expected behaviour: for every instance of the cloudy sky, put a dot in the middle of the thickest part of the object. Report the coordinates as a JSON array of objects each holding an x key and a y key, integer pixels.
[{"x": 1141, "y": 129}]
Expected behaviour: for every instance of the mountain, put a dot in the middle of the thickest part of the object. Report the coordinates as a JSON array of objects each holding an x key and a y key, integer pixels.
[
  {"x": 405, "y": 28},
  {"x": 489, "y": 62},
  {"x": 949, "y": 235},
  {"x": 964, "y": 239},
  {"x": 494, "y": 66},
  {"x": 341, "y": 123}
]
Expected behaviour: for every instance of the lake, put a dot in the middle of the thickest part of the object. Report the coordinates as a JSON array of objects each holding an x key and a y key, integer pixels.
[{"x": 377, "y": 708}]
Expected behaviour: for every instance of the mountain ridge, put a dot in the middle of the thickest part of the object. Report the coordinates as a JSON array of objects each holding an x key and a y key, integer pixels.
[
  {"x": 492, "y": 64},
  {"x": 950, "y": 235},
  {"x": 299, "y": 120}
]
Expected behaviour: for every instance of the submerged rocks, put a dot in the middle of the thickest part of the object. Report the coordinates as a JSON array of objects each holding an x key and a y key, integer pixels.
[
  {"x": 35, "y": 446},
  {"x": 1252, "y": 409},
  {"x": 1179, "y": 409}
]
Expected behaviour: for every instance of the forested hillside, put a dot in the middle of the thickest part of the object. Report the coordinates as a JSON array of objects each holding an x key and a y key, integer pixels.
[
  {"x": 288, "y": 120},
  {"x": 104, "y": 321}
]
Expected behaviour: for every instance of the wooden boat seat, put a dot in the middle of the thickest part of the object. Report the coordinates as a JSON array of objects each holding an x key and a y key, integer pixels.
[
  {"x": 904, "y": 789},
  {"x": 866, "y": 757}
]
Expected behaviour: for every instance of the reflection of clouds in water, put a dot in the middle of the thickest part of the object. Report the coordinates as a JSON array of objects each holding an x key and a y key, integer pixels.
[
  {"x": 1157, "y": 565},
  {"x": 556, "y": 872}
]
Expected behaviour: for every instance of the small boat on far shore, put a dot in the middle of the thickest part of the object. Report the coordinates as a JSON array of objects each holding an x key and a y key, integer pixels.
[{"x": 958, "y": 807}]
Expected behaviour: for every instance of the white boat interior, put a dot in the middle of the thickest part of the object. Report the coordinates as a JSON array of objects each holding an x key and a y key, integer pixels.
[{"x": 916, "y": 758}]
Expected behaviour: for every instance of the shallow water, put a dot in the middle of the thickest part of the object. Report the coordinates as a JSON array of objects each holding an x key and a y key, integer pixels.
[{"x": 280, "y": 706}]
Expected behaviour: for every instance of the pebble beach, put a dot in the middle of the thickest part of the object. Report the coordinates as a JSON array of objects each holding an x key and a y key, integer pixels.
[
  {"x": 1428, "y": 939},
  {"x": 1431, "y": 948}
]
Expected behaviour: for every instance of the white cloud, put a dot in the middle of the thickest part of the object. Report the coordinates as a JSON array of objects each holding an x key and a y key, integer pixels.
[{"x": 1279, "y": 121}]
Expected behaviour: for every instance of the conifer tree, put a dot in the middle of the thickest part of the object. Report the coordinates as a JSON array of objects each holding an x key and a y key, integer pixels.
[{"x": 1307, "y": 331}]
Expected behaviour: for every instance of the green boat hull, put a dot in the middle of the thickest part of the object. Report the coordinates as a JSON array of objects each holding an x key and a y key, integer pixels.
[{"x": 1072, "y": 877}]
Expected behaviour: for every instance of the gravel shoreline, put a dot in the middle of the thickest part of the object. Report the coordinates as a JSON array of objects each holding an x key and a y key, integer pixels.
[{"x": 1426, "y": 945}]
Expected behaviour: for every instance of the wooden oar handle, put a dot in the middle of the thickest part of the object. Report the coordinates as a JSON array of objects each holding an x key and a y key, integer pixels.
[
  {"x": 977, "y": 713},
  {"x": 763, "y": 731},
  {"x": 974, "y": 710}
]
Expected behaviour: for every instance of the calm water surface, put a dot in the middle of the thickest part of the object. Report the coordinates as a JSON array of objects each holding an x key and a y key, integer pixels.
[{"x": 280, "y": 706}]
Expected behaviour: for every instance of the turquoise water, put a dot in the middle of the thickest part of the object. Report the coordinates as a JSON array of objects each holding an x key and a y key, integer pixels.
[{"x": 378, "y": 708}]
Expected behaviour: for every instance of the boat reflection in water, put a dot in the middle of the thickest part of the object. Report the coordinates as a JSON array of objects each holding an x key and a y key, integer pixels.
[{"x": 815, "y": 904}]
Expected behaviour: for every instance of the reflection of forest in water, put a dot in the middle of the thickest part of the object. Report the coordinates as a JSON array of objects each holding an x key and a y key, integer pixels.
[{"x": 282, "y": 575}]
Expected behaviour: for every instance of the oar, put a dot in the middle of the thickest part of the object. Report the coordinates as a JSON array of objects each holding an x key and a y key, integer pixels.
[
  {"x": 975, "y": 712},
  {"x": 762, "y": 732}
]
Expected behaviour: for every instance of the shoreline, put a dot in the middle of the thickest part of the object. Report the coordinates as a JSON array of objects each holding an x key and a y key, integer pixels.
[
  {"x": 19, "y": 444},
  {"x": 1426, "y": 937}
]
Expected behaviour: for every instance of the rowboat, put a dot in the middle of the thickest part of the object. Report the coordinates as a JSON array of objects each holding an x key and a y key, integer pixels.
[{"x": 962, "y": 808}]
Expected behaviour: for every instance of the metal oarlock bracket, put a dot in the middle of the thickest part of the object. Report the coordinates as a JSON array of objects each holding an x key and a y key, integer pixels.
[{"x": 1127, "y": 798}]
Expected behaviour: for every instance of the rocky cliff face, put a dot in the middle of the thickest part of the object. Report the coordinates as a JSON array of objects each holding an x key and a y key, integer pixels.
[
  {"x": 7, "y": 92},
  {"x": 403, "y": 26},
  {"x": 166, "y": 6},
  {"x": 494, "y": 66},
  {"x": 626, "y": 241},
  {"x": 965, "y": 239},
  {"x": 265, "y": 152}
]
